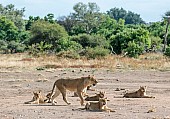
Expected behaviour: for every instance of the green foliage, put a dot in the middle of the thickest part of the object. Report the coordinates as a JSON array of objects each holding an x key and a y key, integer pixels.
[
  {"x": 91, "y": 33},
  {"x": 30, "y": 21},
  {"x": 69, "y": 54},
  {"x": 15, "y": 15},
  {"x": 15, "y": 47},
  {"x": 49, "y": 18},
  {"x": 157, "y": 29},
  {"x": 96, "y": 52},
  {"x": 90, "y": 40},
  {"x": 43, "y": 31},
  {"x": 39, "y": 48},
  {"x": 3, "y": 46},
  {"x": 133, "y": 49},
  {"x": 86, "y": 18},
  {"x": 8, "y": 30},
  {"x": 155, "y": 43},
  {"x": 129, "y": 17},
  {"x": 120, "y": 41},
  {"x": 110, "y": 27},
  {"x": 167, "y": 51},
  {"x": 66, "y": 44}
]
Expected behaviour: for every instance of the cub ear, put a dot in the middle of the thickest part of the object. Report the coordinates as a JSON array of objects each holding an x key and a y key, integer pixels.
[
  {"x": 105, "y": 98},
  {"x": 39, "y": 91}
]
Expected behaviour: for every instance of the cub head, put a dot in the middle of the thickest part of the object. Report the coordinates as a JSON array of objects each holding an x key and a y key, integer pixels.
[
  {"x": 48, "y": 97},
  {"x": 93, "y": 81},
  {"x": 102, "y": 94},
  {"x": 103, "y": 101},
  {"x": 36, "y": 95},
  {"x": 143, "y": 89}
]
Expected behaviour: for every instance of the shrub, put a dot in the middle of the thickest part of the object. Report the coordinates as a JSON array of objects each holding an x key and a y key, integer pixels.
[
  {"x": 15, "y": 47},
  {"x": 68, "y": 54},
  {"x": 133, "y": 49},
  {"x": 96, "y": 52},
  {"x": 66, "y": 44},
  {"x": 167, "y": 51},
  {"x": 92, "y": 41},
  {"x": 39, "y": 48}
]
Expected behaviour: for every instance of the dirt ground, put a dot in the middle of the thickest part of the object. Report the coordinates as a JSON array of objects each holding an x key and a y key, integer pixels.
[{"x": 16, "y": 87}]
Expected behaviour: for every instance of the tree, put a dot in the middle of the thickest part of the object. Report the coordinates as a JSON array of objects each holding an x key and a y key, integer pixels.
[
  {"x": 85, "y": 19},
  {"x": 49, "y": 18},
  {"x": 46, "y": 32},
  {"x": 8, "y": 30},
  {"x": 110, "y": 26},
  {"x": 129, "y": 17},
  {"x": 30, "y": 21},
  {"x": 92, "y": 41},
  {"x": 14, "y": 15},
  {"x": 67, "y": 22},
  {"x": 134, "y": 38}
]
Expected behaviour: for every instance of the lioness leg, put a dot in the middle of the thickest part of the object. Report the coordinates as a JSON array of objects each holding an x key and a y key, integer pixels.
[
  {"x": 57, "y": 93},
  {"x": 145, "y": 96},
  {"x": 63, "y": 92},
  {"x": 32, "y": 102},
  {"x": 81, "y": 97}
]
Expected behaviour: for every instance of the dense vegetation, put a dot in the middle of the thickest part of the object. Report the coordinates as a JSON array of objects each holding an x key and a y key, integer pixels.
[{"x": 85, "y": 32}]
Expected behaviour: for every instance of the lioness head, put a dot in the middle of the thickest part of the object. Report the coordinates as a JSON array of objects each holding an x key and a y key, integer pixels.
[{"x": 92, "y": 80}]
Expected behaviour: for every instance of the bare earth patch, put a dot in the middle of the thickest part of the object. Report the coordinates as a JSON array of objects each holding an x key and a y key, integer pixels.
[{"x": 16, "y": 87}]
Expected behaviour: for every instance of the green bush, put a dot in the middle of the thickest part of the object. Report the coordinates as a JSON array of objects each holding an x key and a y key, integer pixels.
[
  {"x": 15, "y": 47},
  {"x": 133, "y": 49},
  {"x": 66, "y": 44},
  {"x": 68, "y": 54},
  {"x": 39, "y": 48},
  {"x": 167, "y": 51},
  {"x": 92, "y": 41},
  {"x": 96, "y": 52}
]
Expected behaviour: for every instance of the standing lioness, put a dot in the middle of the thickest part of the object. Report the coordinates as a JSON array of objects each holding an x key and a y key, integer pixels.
[{"x": 75, "y": 85}]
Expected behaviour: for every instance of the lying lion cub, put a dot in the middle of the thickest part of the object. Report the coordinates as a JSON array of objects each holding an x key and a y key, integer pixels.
[
  {"x": 141, "y": 93},
  {"x": 96, "y": 97},
  {"x": 100, "y": 105},
  {"x": 38, "y": 98},
  {"x": 76, "y": 85}
]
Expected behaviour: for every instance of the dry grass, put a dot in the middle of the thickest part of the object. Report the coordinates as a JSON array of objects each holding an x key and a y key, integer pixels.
[{"x": 145, "y": 62}]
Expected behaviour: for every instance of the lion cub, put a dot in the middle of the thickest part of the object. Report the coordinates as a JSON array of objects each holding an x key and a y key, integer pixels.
[
  {"x": 100, "y": 105},
  {"x": 38, "y": 98},
  {"x": 96, "y": 97},
  {"x": 141, "y": 93}
]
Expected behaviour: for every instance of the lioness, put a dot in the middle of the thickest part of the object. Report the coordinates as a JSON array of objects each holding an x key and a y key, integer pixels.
[
  {"x": 38, "y": 98},
  {"x": 100, "y": 105},
  {"x": 76, "y": 85},
  {"x": 96, "y": 97},
  {"x": 141, "y": 93}
]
